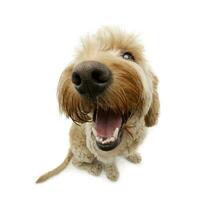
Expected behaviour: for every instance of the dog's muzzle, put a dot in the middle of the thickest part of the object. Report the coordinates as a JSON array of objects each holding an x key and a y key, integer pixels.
[{"x": 91, "y": 78}]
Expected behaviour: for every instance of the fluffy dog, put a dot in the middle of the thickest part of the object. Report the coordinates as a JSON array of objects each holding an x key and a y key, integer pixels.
[{"x": 110, "y": 93}]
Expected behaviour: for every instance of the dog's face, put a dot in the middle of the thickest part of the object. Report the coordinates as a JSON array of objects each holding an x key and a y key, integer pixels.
[{"x": 108, "y": 84}]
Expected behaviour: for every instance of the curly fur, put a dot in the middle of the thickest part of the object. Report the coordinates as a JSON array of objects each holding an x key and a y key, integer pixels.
[{"x": 133, "y": 93}]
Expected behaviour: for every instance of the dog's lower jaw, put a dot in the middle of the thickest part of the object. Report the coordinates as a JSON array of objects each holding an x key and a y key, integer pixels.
[
  {"x": 130, "y": 140},
  {"x": 103, "y": 156},
  {"x": 108, "y": 144},
  {"x": 106, "y": 157}
]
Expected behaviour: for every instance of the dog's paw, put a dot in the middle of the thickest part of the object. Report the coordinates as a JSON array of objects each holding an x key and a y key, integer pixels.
[
  {"x": 135, "y": 158},
  {"x": 113, "y": 176},
  {"x": 95, "y": 169},
  {"x": 112, "y": 172}
]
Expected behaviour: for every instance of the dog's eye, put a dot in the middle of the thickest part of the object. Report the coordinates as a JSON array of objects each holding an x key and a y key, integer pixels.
[{"x": 128, "y": 56}]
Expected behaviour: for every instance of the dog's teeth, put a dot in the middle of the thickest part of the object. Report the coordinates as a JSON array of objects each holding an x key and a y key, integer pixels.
[
  {"x": 116, "y": 133},
  {"x": 108, "y": 140},
  {"x": 112, "y": 139},
  {"x": 105, "y": 141},
  {"x": 98, "y": 138}
]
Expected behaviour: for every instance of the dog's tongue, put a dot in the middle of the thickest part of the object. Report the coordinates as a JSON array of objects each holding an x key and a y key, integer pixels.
[{"x": 106, "y": 122}]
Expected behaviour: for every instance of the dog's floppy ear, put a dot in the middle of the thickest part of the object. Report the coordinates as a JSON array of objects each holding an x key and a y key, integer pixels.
[
  {"x": 63, "y": 89},
  {"x": 152, "y": 115}
]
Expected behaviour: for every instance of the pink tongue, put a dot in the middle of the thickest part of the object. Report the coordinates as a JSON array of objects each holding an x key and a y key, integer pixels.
[{"x": 106, "y": 122}]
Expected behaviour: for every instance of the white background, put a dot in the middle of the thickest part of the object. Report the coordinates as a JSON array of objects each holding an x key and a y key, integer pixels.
[{"x": 37, "y": 39}]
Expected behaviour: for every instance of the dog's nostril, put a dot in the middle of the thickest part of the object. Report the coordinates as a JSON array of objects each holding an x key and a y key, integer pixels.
[
  {"x": 100, "y": 76},
  {"x": 76, "y": 79}
]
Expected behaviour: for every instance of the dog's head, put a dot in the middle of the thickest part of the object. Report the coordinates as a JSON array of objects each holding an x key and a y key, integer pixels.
[{"x": 108, "y": 83}]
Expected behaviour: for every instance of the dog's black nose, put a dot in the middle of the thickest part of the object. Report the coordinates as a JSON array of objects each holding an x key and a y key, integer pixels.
[{"x": 91, "y": 78}]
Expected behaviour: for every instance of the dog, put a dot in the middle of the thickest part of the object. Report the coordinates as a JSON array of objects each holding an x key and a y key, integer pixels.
[{"x": 110, "y": 93}]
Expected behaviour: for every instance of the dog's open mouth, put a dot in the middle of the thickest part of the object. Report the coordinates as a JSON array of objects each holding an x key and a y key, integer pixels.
[{"x": 107, "y": 129}]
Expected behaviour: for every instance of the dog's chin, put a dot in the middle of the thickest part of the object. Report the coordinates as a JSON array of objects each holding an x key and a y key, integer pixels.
[{"x": 107, "y": 129}]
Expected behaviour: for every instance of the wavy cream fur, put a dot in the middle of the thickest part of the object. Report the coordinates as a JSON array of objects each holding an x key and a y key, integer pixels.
[{"x": 140, "y": 94}]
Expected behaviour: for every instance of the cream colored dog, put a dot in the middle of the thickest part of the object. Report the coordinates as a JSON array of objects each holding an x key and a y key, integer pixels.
[{"x": 110, "y": 93}]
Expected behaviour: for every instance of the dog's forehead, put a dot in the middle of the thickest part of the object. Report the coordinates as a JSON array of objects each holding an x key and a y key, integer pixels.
[
  {"x": 115, "y": 38},
  {"x": 110, "y": 39}
]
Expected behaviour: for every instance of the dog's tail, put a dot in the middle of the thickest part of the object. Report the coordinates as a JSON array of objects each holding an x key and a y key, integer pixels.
[{"x": 57, "y": 170}]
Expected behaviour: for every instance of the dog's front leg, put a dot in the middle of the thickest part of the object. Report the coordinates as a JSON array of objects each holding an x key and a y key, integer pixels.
[
  {"x": 111, "y": 171},
  {"x": 78, "y": 145}
]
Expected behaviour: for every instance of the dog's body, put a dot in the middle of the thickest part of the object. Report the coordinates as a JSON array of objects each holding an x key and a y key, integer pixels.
[{"x": 110, "y": 93}]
